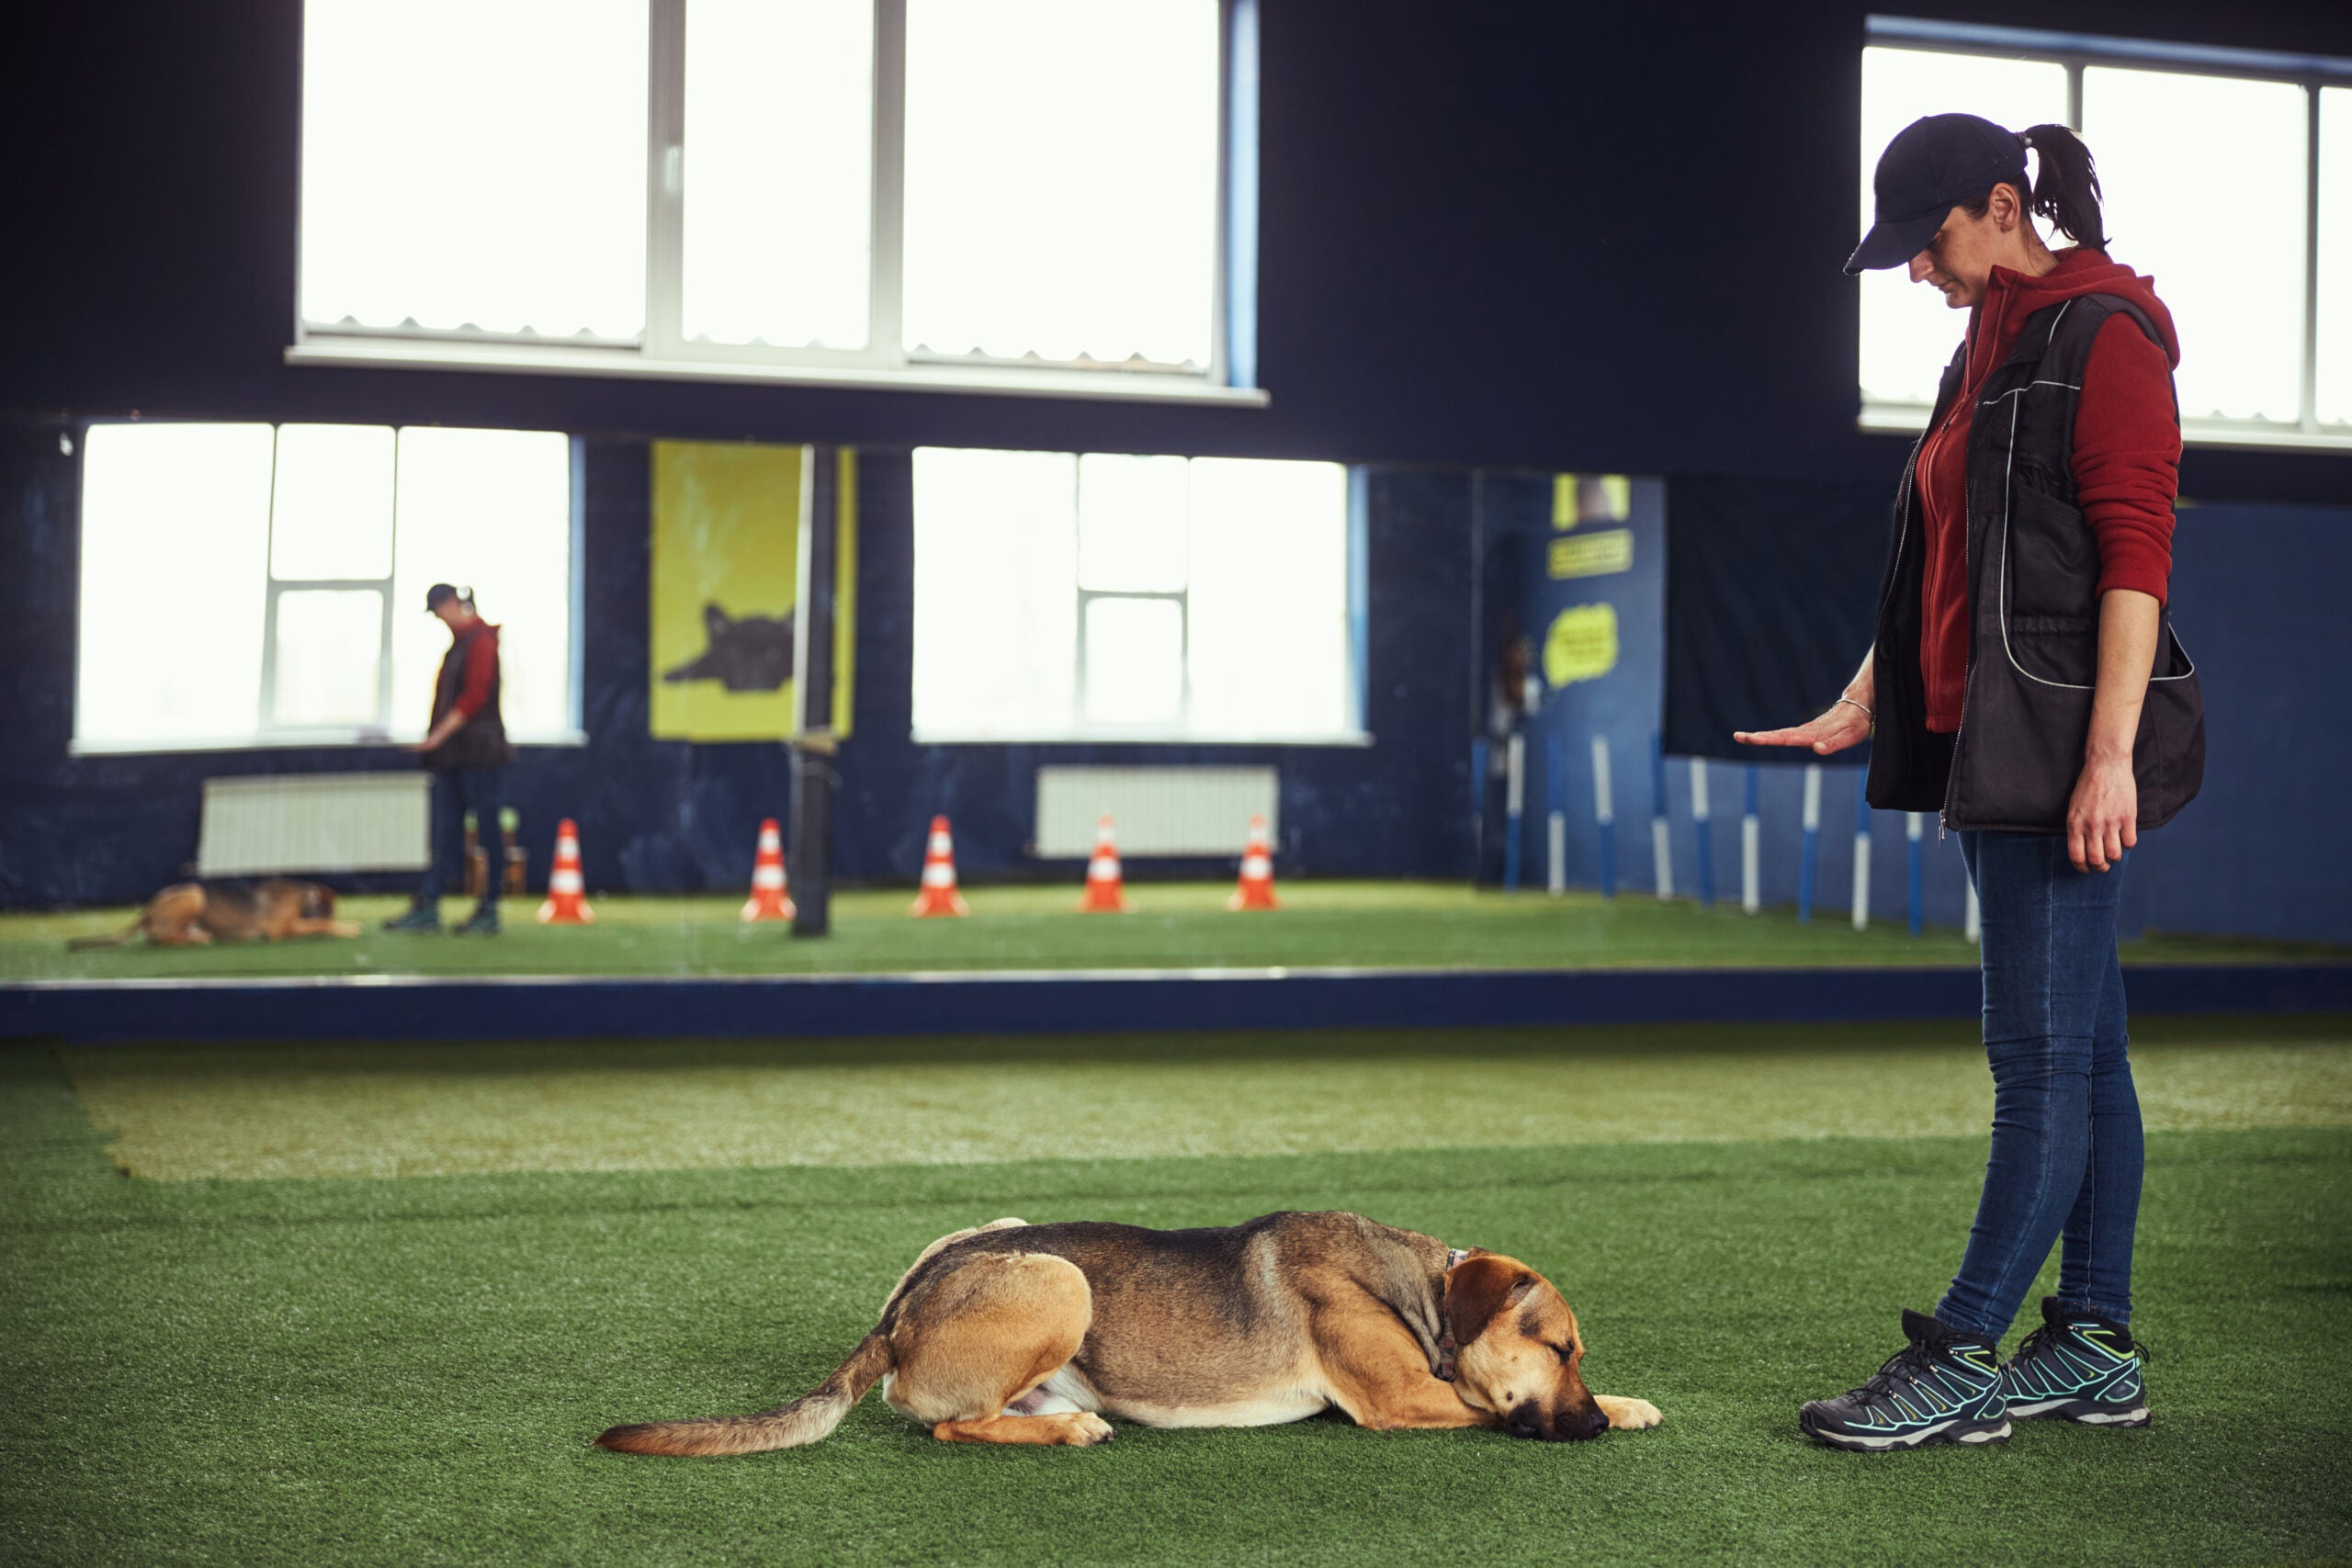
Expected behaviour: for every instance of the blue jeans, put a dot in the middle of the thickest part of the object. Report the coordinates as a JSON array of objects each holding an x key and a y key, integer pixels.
[
  {"x": 455, "y": 793},
  {"x": 2067, "y": 1143}
]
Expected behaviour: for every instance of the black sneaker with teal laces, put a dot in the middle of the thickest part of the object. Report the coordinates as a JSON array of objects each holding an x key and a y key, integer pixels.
[
  {"x": 1944, "y": 1387},
  {"x": 2080, "y": 1367},
  {"x": 483, "y": 921}
]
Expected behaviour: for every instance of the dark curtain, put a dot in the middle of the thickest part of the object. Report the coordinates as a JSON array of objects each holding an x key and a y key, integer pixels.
[{"x": 1771, "y": 595}]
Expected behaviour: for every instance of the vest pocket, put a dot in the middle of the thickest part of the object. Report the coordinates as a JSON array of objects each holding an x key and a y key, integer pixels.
[
  {"x": 2170, "y": 756},
  {"x": 2053, "y": 556},
  {"x": 2054, "y": 650}
]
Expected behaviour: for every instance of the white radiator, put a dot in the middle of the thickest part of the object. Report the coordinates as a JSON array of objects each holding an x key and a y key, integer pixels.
[
  {"x": 315, "y": 822},
  {"x": 1158, "y": 811}
]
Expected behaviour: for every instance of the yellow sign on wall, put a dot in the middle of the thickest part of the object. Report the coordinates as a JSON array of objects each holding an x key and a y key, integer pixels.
[
  {"x": 1590, "y": 498},
  {"x": 1591, "y": 554},
  {"x": 725, "y": 541},
  {"x": 1581, "y": 644}
]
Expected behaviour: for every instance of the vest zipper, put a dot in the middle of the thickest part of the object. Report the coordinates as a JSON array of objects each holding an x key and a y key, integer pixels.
[{"x": 1967, "y": 561}]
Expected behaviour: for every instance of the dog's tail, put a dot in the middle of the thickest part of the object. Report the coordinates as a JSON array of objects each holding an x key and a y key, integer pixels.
[
  {"x": 805, "y": 1420},
  {"x": 112, "y": 939}
]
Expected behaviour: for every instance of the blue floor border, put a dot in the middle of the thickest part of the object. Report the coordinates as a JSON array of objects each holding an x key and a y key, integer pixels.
[{"x": 1103, "y": 1002}]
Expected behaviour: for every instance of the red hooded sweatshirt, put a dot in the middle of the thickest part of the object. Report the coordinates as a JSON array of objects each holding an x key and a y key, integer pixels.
[{"x": 2127, "y": 454}]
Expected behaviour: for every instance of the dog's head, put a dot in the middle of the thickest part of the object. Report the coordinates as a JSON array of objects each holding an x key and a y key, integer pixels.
[
  {"x": 1518, "y": 1350},
  {"x": 318, "y": 903}
]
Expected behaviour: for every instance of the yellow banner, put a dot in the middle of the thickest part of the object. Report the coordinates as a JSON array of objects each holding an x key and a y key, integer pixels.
[
  {"x": 726, "y": 549},
  {"x": 725, "y": 546}
]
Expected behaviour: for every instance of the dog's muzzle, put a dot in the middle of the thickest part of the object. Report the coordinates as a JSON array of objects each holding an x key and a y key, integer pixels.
[{"x": 1531, "y": 1420}]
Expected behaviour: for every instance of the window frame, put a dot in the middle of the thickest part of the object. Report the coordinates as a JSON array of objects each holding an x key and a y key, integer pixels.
[
  {"x": 267, "y": 734},
  {"x": 1354, "y": 730},
  {"x": 663, "y": 351},
  {"x": 2075, "y": 51}
]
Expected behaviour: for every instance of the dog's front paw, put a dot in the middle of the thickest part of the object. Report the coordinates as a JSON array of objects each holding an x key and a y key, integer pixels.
[
  {"x": 1629, "y": 1414},
  {"x": 1084, "y": 1429}
]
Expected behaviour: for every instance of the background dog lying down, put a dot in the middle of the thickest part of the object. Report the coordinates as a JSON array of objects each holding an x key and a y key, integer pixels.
[
  {"x": 193, "y": 912},
  {"x": 1015, "y": 1333}
]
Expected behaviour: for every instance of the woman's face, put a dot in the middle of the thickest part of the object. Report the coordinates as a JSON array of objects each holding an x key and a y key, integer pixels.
[{"x": 1959, "y": 261}]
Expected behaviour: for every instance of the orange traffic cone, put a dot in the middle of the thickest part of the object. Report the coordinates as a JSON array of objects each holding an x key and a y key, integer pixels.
[
  {"x": 938, "y": 896},
  {"x": 1256, "y": 888},
  {"x": 1106, "y": 893},
  {"x": 566, "y": 902},
  {"x": 771, "y": 898}
]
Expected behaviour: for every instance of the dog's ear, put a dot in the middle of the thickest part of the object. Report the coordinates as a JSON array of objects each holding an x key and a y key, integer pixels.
[{"x": 1480, "y": 1287}]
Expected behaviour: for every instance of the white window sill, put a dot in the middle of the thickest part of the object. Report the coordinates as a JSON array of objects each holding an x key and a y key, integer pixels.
[
  {"x": 290, "y": 740},
  {"x": 1909, "y": 419},
  {"x": 1355, "y": 737},
  {"x": 560, "y": 359}
]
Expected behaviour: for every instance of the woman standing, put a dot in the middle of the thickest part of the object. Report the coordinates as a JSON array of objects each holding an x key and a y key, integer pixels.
[{"x": 2025, "y": 685}]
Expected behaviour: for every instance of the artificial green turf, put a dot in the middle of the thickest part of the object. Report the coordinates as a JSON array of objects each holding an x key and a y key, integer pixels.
[
  {"x": 182, "y": 1113},
  {"x": 1417, "y": 925},
  {"x": 408, "y": 1370}
]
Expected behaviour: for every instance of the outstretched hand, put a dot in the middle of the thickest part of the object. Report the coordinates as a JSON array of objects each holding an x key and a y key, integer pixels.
[{"x": 1843, "y": 726}]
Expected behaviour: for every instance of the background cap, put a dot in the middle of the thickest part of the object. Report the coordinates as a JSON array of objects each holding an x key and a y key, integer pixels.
[
  {"x": 1930, "y": 167},
  {"x": 438, "y": 595}
]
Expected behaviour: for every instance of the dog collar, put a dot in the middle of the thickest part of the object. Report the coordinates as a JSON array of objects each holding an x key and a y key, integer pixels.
[{"x": 1446, "y": 1349}]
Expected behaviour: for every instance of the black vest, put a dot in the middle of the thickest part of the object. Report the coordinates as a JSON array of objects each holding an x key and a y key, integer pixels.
[
  {"x": 2033, "y": 570},
  {"x": 480, "y": 742}
]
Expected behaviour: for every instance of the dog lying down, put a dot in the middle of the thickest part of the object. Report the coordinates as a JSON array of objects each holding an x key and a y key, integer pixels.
[
  {"x": 1015, "y": 1333},
  {"x": 191, "y": 913}
]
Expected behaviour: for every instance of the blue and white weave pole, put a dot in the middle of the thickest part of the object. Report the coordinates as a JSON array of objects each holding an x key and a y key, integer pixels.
[
  {"x": 1914, "y": 827},
  {"x": 1604, "y": 816},
  {"x": 1515, "y": 805},
  {"x": 1702, "y": 815},
  {"x": 1661, "y": 834},
  {"x": 1751, "y": 844},
  {"x": 1861, "y": 855},
  {"x": 1975, "y": 918},
  {"x": 1812, "y": 842},
  {"x": 1555, "y": 798}
]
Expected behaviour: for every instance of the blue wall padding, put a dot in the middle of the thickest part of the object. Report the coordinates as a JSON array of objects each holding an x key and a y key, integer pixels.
[{"x": 819, "y": 1007}]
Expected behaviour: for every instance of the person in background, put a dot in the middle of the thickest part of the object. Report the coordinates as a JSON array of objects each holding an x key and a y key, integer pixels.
[{"x": 465, "y": 750}]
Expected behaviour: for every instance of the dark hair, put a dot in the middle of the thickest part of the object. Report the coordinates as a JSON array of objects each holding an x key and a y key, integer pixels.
[{"x": 2067, "y": 192}]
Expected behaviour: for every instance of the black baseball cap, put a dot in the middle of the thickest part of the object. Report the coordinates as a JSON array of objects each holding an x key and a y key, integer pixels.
[
  {"x": 440, "y": 594},
  {"x": 1930, "y": 167}
]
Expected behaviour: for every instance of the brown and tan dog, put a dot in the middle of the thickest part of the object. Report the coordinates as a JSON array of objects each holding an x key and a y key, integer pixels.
[
  {"x": 1015, "y": 1333},
  {"x": 191, "y": 913}
]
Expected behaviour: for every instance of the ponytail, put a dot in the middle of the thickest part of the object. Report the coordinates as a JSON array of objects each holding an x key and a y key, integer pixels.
[{"x": 2067, "y": 192}]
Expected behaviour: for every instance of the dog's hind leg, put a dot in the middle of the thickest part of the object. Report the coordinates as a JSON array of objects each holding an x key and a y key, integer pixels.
[
  {"x": 174, "y": 918},
  {"x": 984, "y": 1336}
]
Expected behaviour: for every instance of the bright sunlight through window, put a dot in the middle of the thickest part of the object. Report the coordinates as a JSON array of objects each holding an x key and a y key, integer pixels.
[
  {"x": 2235, "y": 288},
  {"x": 470, "y": 166},
  {"x": 1060, "y": 596},
  {"x": 777, "y": 86},
  {"x": 962, "y": 193},
  {"x": 301, "y": 579},
  {"x": 1061, "y": 179}
]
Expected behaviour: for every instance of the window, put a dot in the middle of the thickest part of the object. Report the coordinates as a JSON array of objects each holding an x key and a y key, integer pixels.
[
  {"x": 1060, "y": 596},
  {"x": 294, "y": 561},
  {"x": 2247, "y": 235},
  {"x": 998, "y": 193}
]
